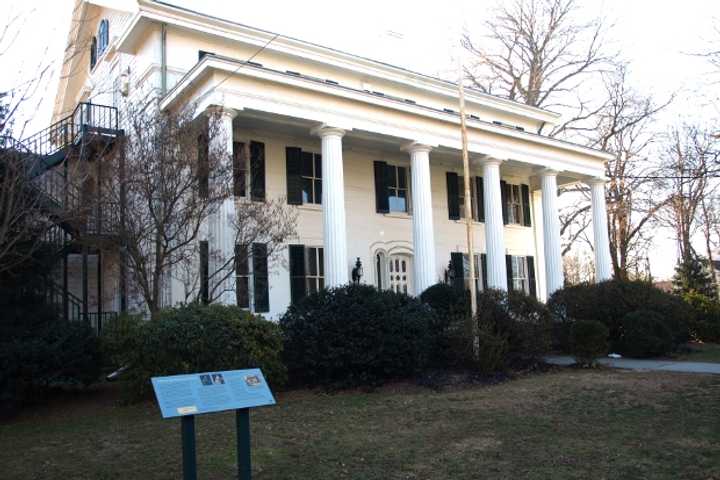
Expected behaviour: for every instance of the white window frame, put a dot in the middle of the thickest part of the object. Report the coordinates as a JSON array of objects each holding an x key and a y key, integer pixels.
[
  {"x": 396, "y": 189},
  {"x": 520, "y": 274},
  {"x": 314, "y": 178},
  {"x": 478, "y": 273},
  {"x": 473, "y": 197},
  {"x": 514, "y": 200},
  {"x": 317, "y": 281}
]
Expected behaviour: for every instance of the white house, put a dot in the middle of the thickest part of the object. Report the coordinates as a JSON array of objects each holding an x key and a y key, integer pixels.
[{"x": 370, "y": 153}]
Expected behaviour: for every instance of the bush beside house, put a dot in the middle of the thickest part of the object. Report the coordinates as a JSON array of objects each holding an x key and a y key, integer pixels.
[
  {"x": 356, "y": 335},
  {"x": 195, "y": 338},
  {"x": 612, "y": 304}
]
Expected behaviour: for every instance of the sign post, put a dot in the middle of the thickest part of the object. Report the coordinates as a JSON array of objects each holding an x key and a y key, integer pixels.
[{"x": 186, "y": 396}]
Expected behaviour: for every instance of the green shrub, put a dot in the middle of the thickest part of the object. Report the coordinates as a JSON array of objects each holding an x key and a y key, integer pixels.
[
  {"x": 201, "y": 338},
  {"x": 38, "y": 352},
  {"x": 451, "y": 346},
  {"x": 646, "y": 334},
  {"x": 355, "y": 335},
  {"x": 706, "y": 323},
  {"x": 492, "y": 351},
  {"x": 520, "y": 319},
  {"x": 609, "y": 302},
  {"x": 118, "y": 340},
  {"x": 589, "y": 340}
]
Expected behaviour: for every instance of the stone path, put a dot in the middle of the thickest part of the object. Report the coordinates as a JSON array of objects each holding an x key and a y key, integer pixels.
[{"x": 632, "y": 364}]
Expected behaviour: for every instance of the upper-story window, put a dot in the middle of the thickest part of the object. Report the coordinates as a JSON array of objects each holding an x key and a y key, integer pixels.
[
  {"x": 398, "y": 189},
  {"x": 103, "y": 37},
  {"x": 311, "y": 178},
  {"x": 516, "y": 204},
  {"x": 392, "y": 189},
  {"x": 93, "y": 52}
]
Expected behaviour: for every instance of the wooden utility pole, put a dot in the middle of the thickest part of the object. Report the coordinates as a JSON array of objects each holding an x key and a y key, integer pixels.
[{"x": 468, "y": 203}]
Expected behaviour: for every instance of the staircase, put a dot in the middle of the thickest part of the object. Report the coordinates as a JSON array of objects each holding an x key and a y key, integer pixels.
[{"x": 88, "y": 130}]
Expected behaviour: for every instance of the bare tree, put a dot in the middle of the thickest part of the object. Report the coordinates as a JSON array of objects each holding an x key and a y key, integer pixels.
[
  {"x": 710, "y": 221},
  {"x": 170, "y": 175},
  {"x": 539, "y": 52},
  {"x": 690, "y": 159}
]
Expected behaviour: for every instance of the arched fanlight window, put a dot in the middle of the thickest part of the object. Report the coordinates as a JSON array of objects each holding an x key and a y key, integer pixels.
[
  {"x": 103, "y": 37},
  {"x": 93, "y": 53}
]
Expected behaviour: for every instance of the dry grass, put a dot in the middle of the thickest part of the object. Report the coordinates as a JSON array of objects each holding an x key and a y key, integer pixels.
[{"x": 572, "y": 424}]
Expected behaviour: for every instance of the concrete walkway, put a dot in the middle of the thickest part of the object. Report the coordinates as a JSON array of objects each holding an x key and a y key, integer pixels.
[{"x": 632, "y": 364}]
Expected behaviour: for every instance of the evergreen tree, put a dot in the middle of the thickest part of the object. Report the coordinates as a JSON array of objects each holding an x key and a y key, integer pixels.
[{"x": 692, "y": 274}]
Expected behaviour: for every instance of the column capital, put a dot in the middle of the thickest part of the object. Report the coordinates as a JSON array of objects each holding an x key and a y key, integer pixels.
[
  {"x": 412, "y": 147},
  {"x": 325, "y": 130},
  {"x": 490, "y": 161},
  {"x": 548, "y": 172},
  {"x": 596, "y": 181},
  {"x": 221, "y": 111}
]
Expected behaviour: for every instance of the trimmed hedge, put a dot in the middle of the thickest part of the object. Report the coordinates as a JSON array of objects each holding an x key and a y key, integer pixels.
[
  {"x": 646, "y": 334},
  {"x": 609, "y": 303},
  {"x": 355, "y": 335},
  {"x": 706, "y": 324},
  {"x": 196, "y": 338}
]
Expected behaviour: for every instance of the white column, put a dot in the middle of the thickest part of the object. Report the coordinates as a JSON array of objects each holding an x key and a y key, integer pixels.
[
  {"x": 222, "y": 242},
  {"x": 603, "y": 262},
  {"x": 494, "y": 228},
  {"x": 333, "y": 206},
  {"x": 551, "y": 232},
  {"x": 422, "y": 217}
]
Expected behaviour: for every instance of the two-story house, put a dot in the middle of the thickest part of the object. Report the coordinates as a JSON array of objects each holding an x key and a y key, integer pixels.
[{"x": 369, "y": 153}]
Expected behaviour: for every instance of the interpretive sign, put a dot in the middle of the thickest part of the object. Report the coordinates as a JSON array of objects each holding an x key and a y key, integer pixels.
[
  {"x": 209, "y": 392},
  {"x": 185, "y": 396}
]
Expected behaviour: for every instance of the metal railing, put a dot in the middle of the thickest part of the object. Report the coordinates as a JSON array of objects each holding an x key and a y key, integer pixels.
[
  {"x": 103, "y": 219},
  {"x": 100, "y": 320},
  {"x": 87, "y": 117}
]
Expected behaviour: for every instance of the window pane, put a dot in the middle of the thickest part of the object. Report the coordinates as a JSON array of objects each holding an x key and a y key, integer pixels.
[
  {"x": 311, "y": 262},
  {"x": 321, "y": 283},
  {"x": 321, "y": 265},
  {"x": 311, "y": 285},
  {"x": 307, "y": 164},
  {"x": 392, "y": 183},
  {"x": 318, "y": 191},
  {"x": 318, "y": 165},
  {"x": 402, "y": 177},
  {"x": 307, "y": 191},
  {"x": 397, "y": 202}
]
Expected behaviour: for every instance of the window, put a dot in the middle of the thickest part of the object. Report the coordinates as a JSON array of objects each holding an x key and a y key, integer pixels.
[
  {"x": 398, "y": 191},
  {"x": 466, "y": 272},
  {"x": 204, "y": 271},
  {"x": 93, "y": 52},
  {"x": 103, "y": 37},
  {"x": 461, "y": 197},
  {"x": 519, "y": 275},
  {"x": 400, "y": 274},
  {"x": 311, "y": 177},
  {"x": 255, "y": 293},
  {"x": 380, "y": 270},
  {"x": 514, "y": 204},
  {"x": 240, "y": 168},
  {"x": 242, "y": 276},
  {"x": 315, "y": 271}
]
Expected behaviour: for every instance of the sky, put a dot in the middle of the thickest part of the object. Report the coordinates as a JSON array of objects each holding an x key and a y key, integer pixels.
[{"x": 656, "y": 37}]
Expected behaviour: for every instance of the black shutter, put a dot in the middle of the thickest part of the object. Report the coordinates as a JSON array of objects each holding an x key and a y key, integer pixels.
[
  {"x": 504, "y": 198},
  {"x": 204, "y": 271},
  {"x": 257, "y": 171},
  {"x": 239, "y": 169},
  {"x": 382, "y": 200},
  {"x": 480, "y": 198},
  {"x": 483, "y": 267},
  {"x": 526, "y": 205},
  {"x": 508, "y": 269},
  {"x": 297, "y": 272},
  {"x": 453, "y": 196},
  {"x": 531, "y": 276},
  {"x": 293, "y": 168},
  {"x": 242, "y": 272},
  {"x": 261, "y": 293},
  {"x": 458, "y": 266}
]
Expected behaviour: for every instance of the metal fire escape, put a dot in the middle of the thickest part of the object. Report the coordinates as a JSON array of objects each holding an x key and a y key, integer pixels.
[{"x": 54, "y": 156}]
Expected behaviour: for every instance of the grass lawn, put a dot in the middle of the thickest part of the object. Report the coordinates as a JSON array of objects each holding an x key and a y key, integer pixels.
[
  {"x": 703, "y": 352},
  {"x": 561, "y": 425}
]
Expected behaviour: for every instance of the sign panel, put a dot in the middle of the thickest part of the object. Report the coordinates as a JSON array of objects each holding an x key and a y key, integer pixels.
[{"x": 208, "y": 392}]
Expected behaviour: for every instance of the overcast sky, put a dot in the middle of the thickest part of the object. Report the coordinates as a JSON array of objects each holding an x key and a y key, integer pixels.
[{"x": 656, "y": 37}]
